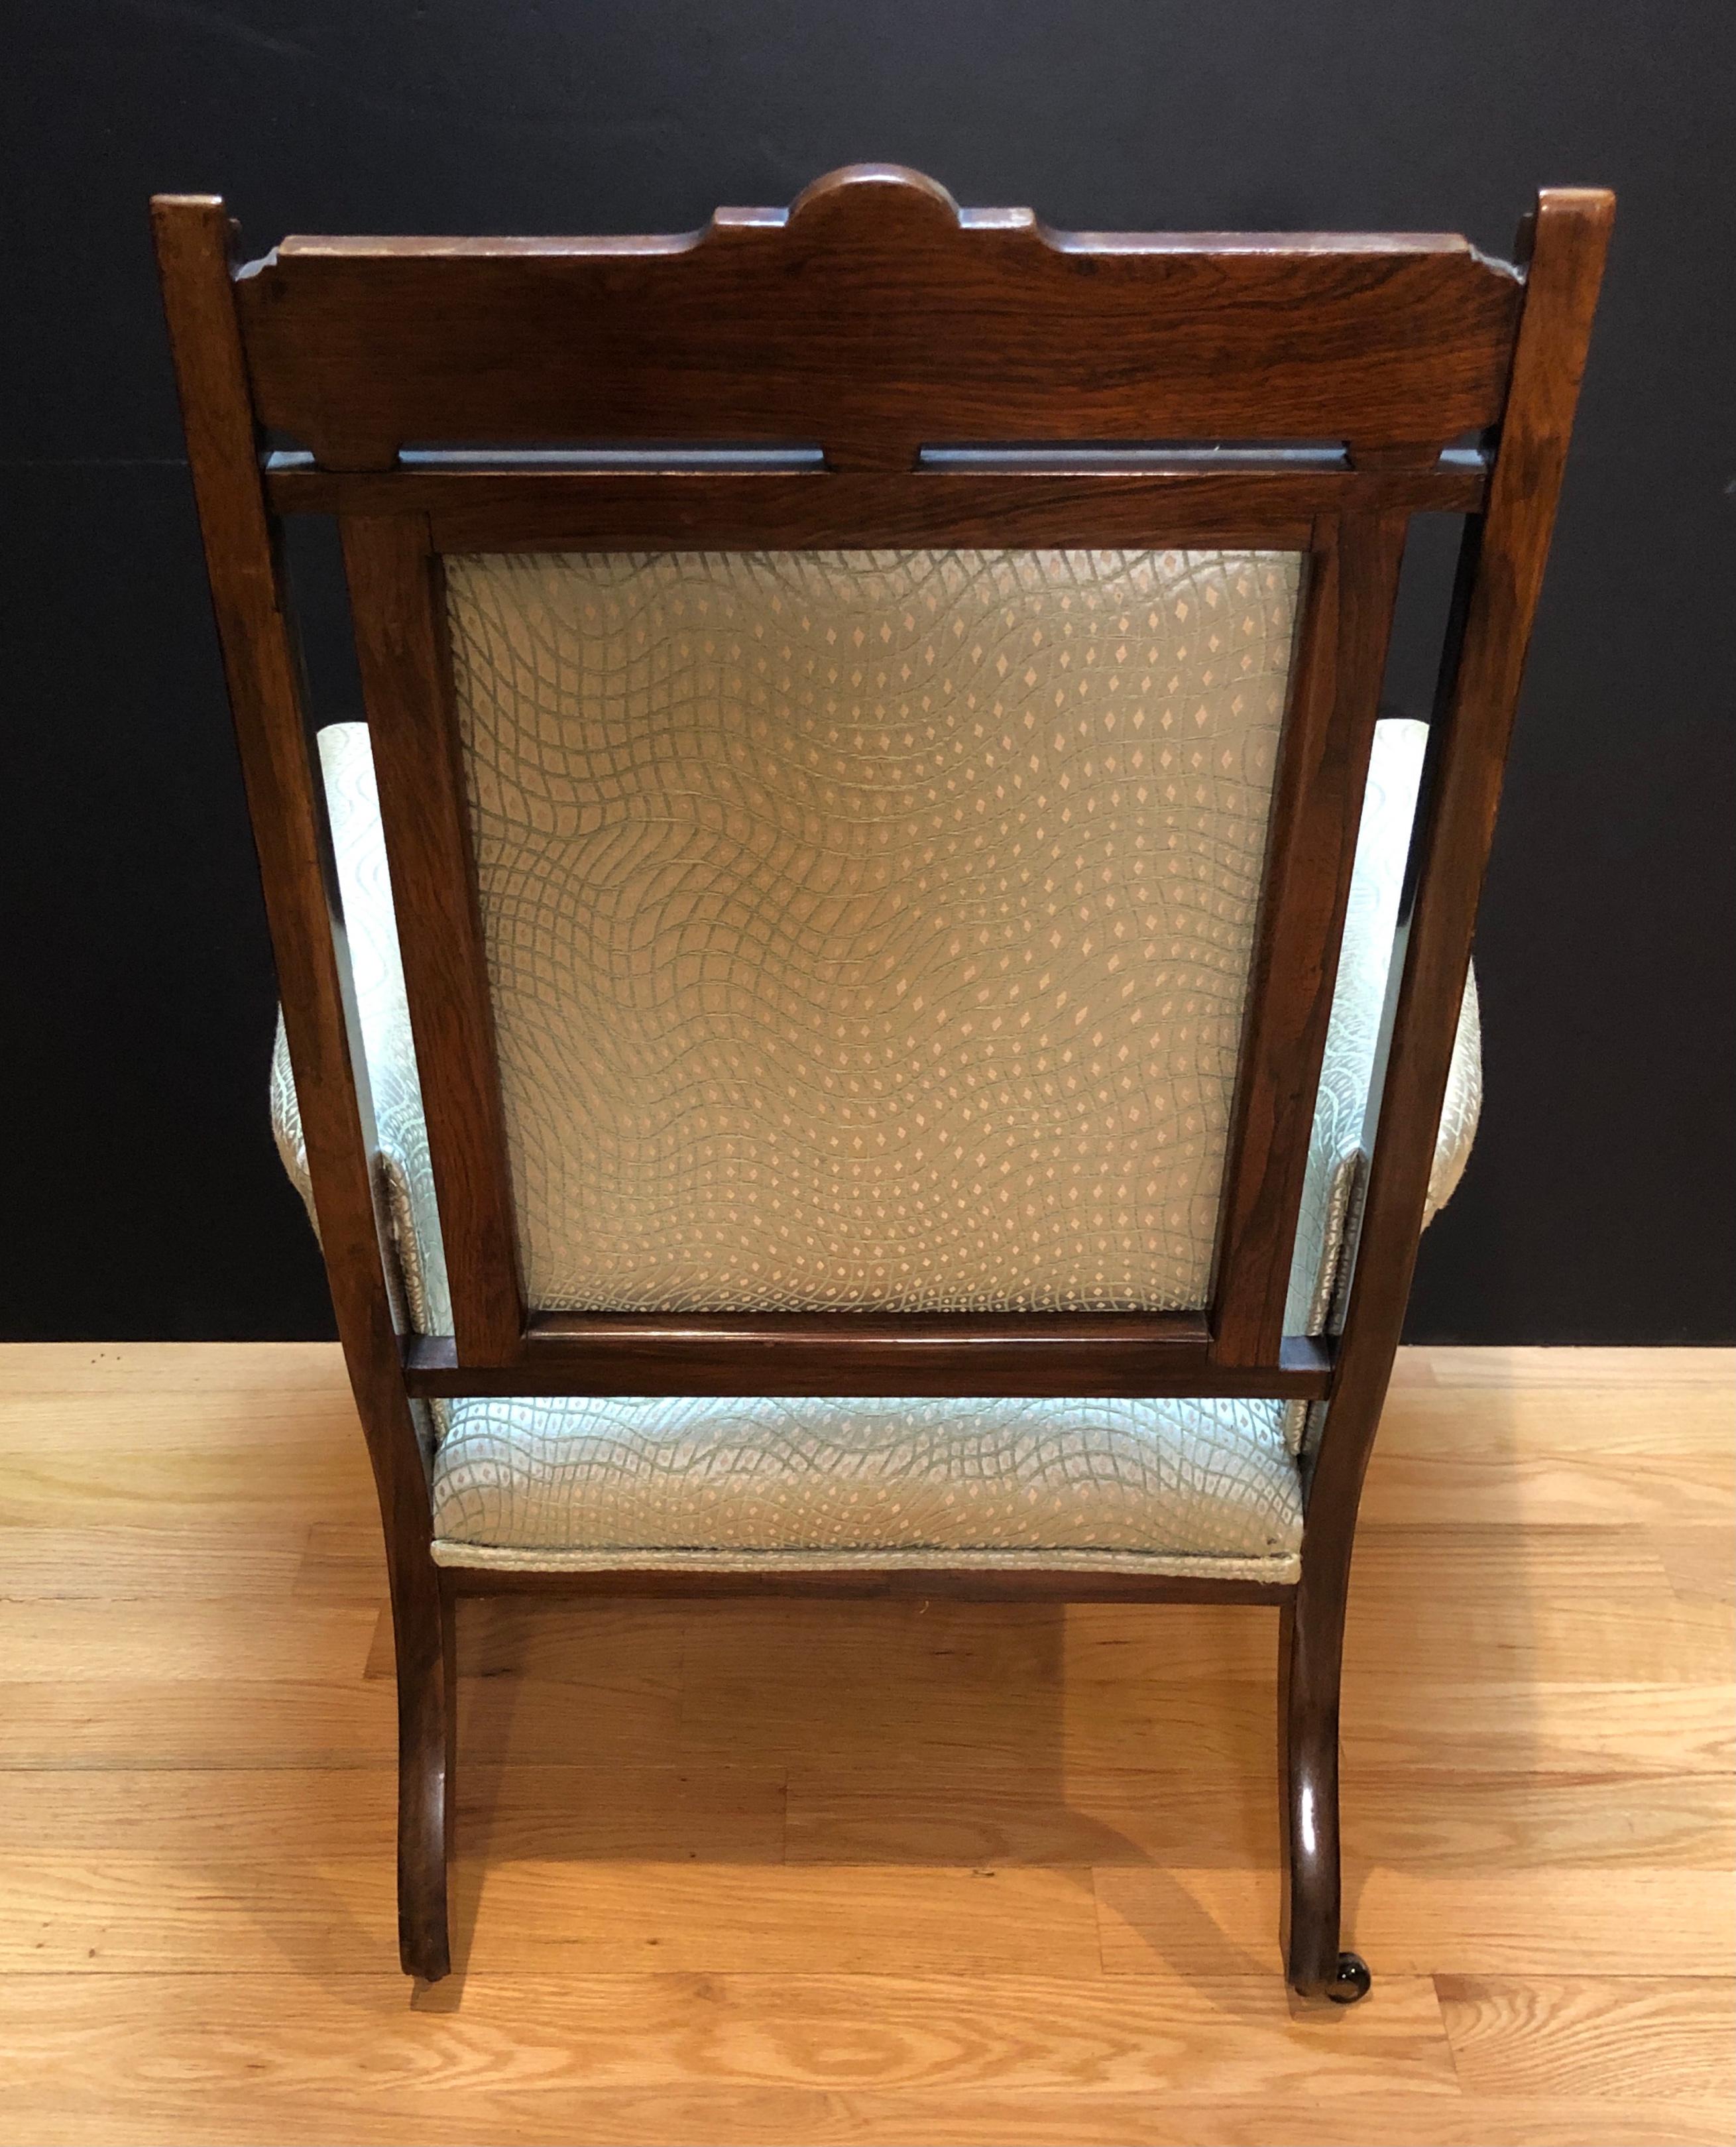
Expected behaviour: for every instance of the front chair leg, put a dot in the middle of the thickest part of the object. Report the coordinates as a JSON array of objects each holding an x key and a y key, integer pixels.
[
  {"x": 1311, "y": 1640},
  {"x": 422, "y": 1624}
]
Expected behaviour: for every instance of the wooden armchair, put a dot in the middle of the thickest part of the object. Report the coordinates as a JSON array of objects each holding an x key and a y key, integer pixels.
[{"x": 901, "y": 1051}]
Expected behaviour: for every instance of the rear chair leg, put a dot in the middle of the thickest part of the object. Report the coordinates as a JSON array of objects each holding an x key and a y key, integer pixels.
[
  {"x": 422, "y": 1624},
  {"x": 1311, "y": 1639}
]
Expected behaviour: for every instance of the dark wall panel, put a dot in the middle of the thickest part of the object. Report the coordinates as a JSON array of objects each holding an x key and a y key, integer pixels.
[{"x": 138, "y": 1184}]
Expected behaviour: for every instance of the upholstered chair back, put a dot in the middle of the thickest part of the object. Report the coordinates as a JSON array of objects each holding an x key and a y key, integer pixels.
[{"x": 869, "y": 929}]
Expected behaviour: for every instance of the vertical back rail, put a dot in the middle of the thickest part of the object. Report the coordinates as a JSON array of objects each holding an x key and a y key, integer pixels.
[
  {"x": 287, "y": 803},
  {"x": 395, "y": 600},
  {"x": 1504, "y": 568},
  {"x": 1325, "y": 748},
  {"x": 1495, "y": 601}
]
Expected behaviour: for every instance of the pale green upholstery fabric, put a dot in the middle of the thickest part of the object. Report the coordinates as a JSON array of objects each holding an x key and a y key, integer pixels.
[
  {"x": 869, "y": 929},
  {"x": 736, "y": 1484},
  {"x": 359, "y": 847}
]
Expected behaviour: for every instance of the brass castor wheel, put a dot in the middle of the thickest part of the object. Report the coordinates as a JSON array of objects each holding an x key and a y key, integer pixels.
[{"x": 1352, "y": 1981}]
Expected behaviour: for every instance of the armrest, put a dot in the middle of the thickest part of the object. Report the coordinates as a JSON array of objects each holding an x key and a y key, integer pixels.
[
  {"x": 364, "y": 885},
  {"x": 1336, "y": 1160}
]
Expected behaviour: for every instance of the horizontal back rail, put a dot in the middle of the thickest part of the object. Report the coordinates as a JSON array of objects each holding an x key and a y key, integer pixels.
[
  {"x": 1129, "y": 1354},
  {"x": 479, "y": 508},
  {"x": 871, "y": 317}
]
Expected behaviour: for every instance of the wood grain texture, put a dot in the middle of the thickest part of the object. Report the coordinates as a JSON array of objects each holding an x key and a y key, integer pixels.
[
  {"x": 434, "y": 2112},
  {"x": 853, "y": 1353},
  {"x": 292, "y": 832},
  {"x": 512, "y": 509},
  {"x": 402, "y": 650},
  {"x": 1501, "y": 569},
  {"x": 871, "y": 318},
  {"x": 1323, "y": 773},
  {"x": 1698, "y": 1560},
  {"x": 965, "y": 1584},
  {"x": 1665, "y": 2036},
  {"x": 287, "y": 803},
  {"x": 885, "y": 1873},
  {"x": 1557, "y": 1922},
  {"x": 1441, "y": 1822},
  {"x": 1500, "y": 574}
]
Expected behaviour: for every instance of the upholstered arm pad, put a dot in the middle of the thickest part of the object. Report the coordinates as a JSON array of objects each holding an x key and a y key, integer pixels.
[
  {"x": 360, "y": 850},
  {"x": 1336, "y": 1158}
]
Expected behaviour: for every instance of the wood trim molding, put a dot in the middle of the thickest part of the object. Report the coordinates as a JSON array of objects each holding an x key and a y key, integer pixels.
[
  {"x": 286, "y": 801},
  {"x": 1316, "y": 810},
  {"x": 1501, "y": 575},
  {"x": 480, "y": 507},
  {"x": 797, "y": 1354},
  {"x": 871, "y": 317},
  {"x": 1505, "y": 557},
  {"x": 402, "y": 646},
  {"x": 894, "y": 1583}
]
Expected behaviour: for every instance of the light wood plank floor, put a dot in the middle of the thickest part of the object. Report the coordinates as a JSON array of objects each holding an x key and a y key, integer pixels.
[{"x": 826, "y": 1873}]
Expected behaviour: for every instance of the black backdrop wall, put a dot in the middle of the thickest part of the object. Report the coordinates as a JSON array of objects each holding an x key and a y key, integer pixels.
[{"x": 140, "y": 1196}]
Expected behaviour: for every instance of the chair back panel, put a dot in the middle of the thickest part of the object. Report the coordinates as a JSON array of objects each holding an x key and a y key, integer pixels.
[
  {"x": 869, "y": 930},
  {"x": 515, "y": 433}
]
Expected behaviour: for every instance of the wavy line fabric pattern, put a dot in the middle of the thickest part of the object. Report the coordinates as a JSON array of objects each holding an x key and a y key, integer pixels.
[
  {"x": 1165, "y": 1485},
  {"x": 869, "y": 929}
]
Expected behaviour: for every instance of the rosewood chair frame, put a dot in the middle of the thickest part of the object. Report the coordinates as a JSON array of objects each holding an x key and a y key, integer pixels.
[{"x": 876, "y": 368}]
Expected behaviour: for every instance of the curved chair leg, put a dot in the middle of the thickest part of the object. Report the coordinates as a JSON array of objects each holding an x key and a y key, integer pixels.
[
  {"x": 422, "y": 1622},
  {"x": 1310, "y": 1651}
]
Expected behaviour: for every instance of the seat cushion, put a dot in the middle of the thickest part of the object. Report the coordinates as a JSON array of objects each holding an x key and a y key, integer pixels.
[{"x": 1157, "y": 1486}]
